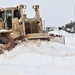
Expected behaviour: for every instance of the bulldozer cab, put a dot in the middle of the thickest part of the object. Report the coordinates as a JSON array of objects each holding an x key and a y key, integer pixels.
[
  {"x": 6, "y": 16},
  {"x": 10, "y": 26},
  {"x": 10, "y": 14}
]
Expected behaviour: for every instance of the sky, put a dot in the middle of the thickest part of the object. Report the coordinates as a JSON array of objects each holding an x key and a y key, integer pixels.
[{"x": 53, "y": 12}]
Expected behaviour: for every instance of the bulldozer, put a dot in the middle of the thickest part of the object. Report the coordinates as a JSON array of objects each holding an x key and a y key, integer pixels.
[{"x": 15, "y": 25}]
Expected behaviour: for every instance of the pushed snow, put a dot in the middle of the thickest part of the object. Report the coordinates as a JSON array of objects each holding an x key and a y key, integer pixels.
[
  {"x": 40, "y": 58},
  {"x": 5, "y": 31}
]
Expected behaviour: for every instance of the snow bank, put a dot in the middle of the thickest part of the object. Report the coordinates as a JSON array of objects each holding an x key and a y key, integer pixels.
[{"x": 40, "y": 58}]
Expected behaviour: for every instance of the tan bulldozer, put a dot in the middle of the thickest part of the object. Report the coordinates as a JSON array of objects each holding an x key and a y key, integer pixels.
[{"x": 15, "y": 25}]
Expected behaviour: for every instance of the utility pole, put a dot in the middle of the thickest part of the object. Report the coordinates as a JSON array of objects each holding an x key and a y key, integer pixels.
[
  {"x": 43, "y": 25},
  {"x": 74, "y": 12}
]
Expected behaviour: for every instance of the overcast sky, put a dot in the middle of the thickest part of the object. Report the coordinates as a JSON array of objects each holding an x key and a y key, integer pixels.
[{"x": 53, "y": 12}]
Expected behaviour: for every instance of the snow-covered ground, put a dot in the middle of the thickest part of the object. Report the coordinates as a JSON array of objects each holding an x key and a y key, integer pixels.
[{"x": 40, "y": 58}]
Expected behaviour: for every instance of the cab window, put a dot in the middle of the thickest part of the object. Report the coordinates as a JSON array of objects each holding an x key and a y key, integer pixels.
[
  {"x": 2, "y": 15},
  {"x": 9, "y": 18},
  {"x": 16, "y": 14}
]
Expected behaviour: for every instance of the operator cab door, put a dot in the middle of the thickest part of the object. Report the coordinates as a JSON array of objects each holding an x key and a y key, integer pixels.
[{"x": 9, "y": 19}]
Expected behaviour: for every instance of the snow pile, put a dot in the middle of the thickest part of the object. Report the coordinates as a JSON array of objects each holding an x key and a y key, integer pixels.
[
  {"x": 41, "y": 47},
  {"x": 5, "y": 31},
  {"x": 40, "y": 58}
]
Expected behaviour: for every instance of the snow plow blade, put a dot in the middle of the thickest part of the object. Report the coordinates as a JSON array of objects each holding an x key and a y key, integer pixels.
[
  {"x": 6, "y": 40},
  {"x": 41, "y": 36},
  {"x": 4, "y": 36},
  {"x": 46, "y": 36}
]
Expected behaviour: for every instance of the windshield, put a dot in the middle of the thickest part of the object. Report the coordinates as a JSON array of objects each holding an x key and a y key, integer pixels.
[
  {"x": 8, "y": 14},
  {"x": 2, "y": 15}
]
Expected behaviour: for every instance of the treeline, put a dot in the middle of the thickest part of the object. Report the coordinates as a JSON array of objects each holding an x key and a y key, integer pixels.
[{"x": 69, "y": 27}]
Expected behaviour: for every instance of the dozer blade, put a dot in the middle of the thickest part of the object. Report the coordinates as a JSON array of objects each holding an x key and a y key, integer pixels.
[
  {"x": 4, "y": 39},
  {"x": 8, "y": 44},
  {"x": 4, "y": 36},
  {"x": 41, "y": 36}
]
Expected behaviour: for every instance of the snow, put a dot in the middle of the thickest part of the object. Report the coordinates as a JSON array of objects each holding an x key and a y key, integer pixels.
[
  {"x": 40, "y": 58},
  {"x": 5, "y": 31}
]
